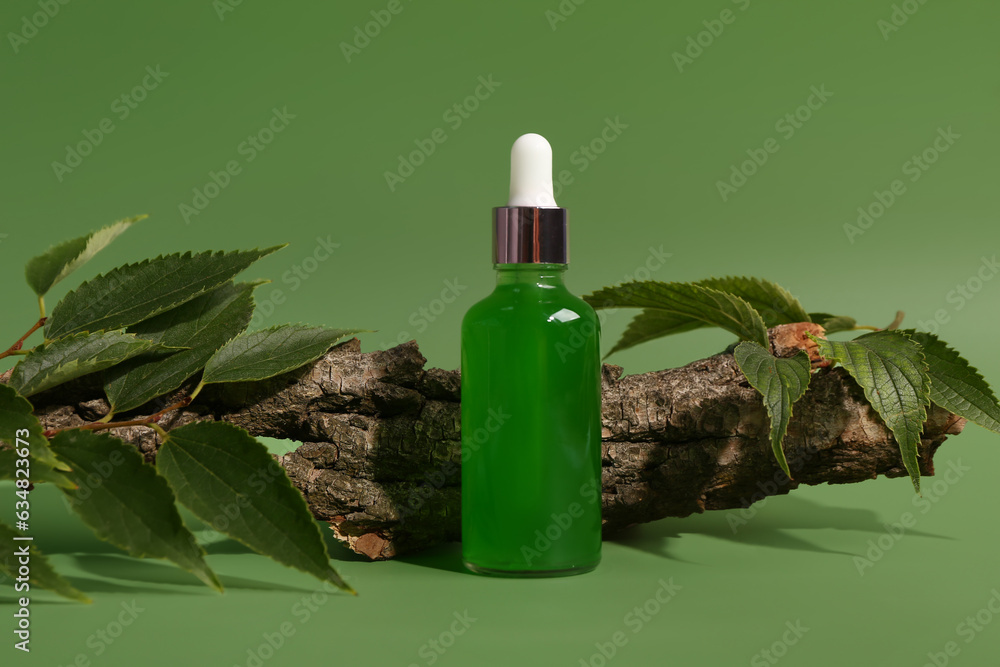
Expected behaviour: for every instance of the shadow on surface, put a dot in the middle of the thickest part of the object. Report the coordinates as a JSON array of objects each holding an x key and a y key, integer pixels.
[
  {"x": 90, "y": 585},
  {"x": 133, "y": 569},
  {"x": 447, "y": 557},
  {"x": 769, "y": 526},
  {"x": 650, "y": 537},
  {"x": 14, "y": 601}
]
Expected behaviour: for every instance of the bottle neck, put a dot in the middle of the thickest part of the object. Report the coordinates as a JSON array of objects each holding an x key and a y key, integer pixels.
[{"x": 543, "y": 275}]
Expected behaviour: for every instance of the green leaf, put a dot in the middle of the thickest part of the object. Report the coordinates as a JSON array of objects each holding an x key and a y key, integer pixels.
[
  {"x": 135, "y": 292},
  {"x": 47, "y": 269},
  {"x": 38, "y": 471},
  {"x": 201, "y": 325},
  {"x": 42, "y": 574},
  {"x": 781, "y": 381},
  {"x": 705, "y": 304},
  {"x": 956, "y": 385},
  {"x": 891, "y": 369},
  {"x": 839, "y": 323},
  {"x": 269, "y": 352},
  {"x": 126, "y": 503},
  {"x": 17, "y": 420},
  {"x": 833, "y": 323},
  {"x": 213, "y": 466},
  {"x": 651, "y": 324},
  {"x": 68, "y": 358},
  {"x": 775, "y": 304}
]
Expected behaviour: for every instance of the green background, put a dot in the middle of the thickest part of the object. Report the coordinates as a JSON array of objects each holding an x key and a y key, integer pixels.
[{"x": 323, "y": 177}]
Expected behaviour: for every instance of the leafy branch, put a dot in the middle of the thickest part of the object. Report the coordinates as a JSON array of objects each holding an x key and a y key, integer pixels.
[
  {"x": 142, "y": 421},
  {"x": 900, "y": 371},
  {"x": 144, "y": 330}
]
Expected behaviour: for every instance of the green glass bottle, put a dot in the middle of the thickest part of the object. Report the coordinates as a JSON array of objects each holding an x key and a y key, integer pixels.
[{"x": 531, "y": 400}]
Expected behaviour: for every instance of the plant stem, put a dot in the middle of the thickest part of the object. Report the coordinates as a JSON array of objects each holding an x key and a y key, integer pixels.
[
  {"x": 892, "y": 325},
  {"x": 41, "y": 307},
  {"x": 149, "y": 421},
  {"x": 16, "y": 347},
  {"x": 897, "y": 321},
  {"x": 197, "y": 390}
]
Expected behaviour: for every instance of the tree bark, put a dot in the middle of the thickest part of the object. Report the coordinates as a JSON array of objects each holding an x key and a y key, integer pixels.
[{"x": 380, "y": 438}]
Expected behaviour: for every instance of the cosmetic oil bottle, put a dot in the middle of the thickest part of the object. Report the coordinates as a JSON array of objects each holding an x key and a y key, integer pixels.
[{"x": 531, "y": 395}]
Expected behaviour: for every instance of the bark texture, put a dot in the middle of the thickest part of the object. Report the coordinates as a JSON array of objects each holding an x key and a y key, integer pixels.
[{"x": 380, "y": 453}]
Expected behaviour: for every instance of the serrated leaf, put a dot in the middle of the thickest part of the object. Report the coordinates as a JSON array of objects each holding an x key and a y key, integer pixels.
[
  {"x": 781, "y": 381},
  {"x": 42, "y": 573},
  {"x": 262, "y": 354},
  {"x": 956, "y": 385},
  {"x": 214, "y": 466},
  {"x": 891, "y": 369},
  {"x": 38, "y": 471},
  {"x": 201, "y": 325},
  {"x": 779, "y": 307},
  {"x": 651, "y": 324},
  {"x": 775, "y": 304},
  {"x": 71, "y": 357},
  {"x": 705, "y": 304},
  {"x": 127, "y": 503},
  {"x": 135, "y": 292},
  {"x": 45, "y": 270},
  {"x": 16, "y": 419},
  {"x": 833, "y": 323}
]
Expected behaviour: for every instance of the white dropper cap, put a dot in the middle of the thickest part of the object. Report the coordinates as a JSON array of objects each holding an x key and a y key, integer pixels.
[{"x": 531, "y": 172}]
